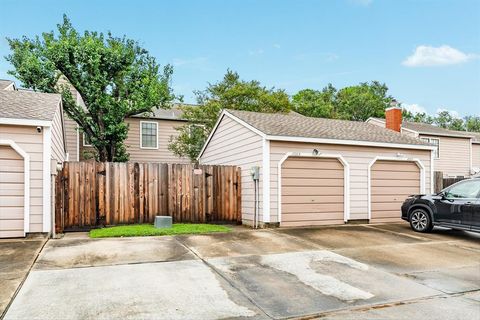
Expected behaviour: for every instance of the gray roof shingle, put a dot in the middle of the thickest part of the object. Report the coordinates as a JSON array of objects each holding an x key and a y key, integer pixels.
[
  {"x": 28, "y": 105},
  {"x": 306, "y": 127},
  {"x": 5, "y": 84},
  {"x": 425, "y": 128}
]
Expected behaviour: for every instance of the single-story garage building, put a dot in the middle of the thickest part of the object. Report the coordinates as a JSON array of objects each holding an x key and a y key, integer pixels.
[
  {"x": 315, "y": 171},
  {"x": 31, "y": 145}
]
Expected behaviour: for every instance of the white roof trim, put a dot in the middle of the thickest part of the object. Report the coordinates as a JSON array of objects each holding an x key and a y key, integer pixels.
[
  {"x": 25, "y": 122},
  {"x": 351, "y": 142}
]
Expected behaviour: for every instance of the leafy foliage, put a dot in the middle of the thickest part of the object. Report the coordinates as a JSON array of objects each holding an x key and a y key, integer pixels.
[
  {"x": 230, "y": 93},
  {"x": 356, "y": 103},
  {"x": 445, "y": 119},
  {"x": 115, "y": 77}
]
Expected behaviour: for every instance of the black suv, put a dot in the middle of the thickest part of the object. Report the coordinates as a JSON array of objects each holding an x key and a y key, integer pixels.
[{"x": 456, "y": 207}]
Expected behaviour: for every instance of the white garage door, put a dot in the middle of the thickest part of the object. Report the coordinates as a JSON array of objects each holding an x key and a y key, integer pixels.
[
  {"x": 391, "y": 183},
  {"x": 11, "y": 193},
  {"x": 312, "y": 191}
]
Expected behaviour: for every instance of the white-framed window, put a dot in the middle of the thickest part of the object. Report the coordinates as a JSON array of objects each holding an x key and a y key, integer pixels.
[
  {"x": 436, "y": 143},
  {"x": 86, "y": 141},
  {"x": 148, "y": 135}
]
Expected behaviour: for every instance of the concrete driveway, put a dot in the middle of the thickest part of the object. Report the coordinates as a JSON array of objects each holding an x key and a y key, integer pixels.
[
  {"x": 344, "y": 272},
  {"x": 16, "y": 259}
]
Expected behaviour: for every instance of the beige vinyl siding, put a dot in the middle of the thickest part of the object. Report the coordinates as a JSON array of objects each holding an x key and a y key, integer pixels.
[
  {"x": 391, "y": 183},
  {"x": 476, "y": 155},
  {"x": 166, "y": 129},
  {"x": 454, "y": 155},
  {"x": 234, "y": 144},
  {"x": 312, "y": 191},
  {"x": 11, "y": 193},
  {"x": 71, "y": 138},
  {"x": 58, "y": 145},
  {"x": 31, "y": 142},
  {"x": 358, "y": 157}
]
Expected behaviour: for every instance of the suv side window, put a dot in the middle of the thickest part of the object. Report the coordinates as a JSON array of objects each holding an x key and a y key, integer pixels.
[{"x": 464, "y": 190}]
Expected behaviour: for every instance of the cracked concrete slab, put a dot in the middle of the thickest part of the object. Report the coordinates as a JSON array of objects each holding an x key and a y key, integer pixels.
[
  {"x": 80, "y": 252},
  {"x": 445, "y": 308},
  {"x": 450, "y": 280},
  {"x": 16, "y": 258},
  {"x": 348, "y": 236},
  {"x": 244, "y": 243},
  {"x": 169, "y": 290},
  {"x": 302, "y": 283},
  {"x": 408, "y": 257}
]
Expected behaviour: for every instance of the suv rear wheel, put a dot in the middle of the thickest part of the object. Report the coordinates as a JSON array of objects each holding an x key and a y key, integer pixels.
[{"x": 420, "y": 221}]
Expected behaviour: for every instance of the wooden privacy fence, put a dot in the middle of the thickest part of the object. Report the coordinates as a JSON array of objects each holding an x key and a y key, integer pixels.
[
  {"x": 89, "y": 194},
  {"x": 440, "y": 182}
]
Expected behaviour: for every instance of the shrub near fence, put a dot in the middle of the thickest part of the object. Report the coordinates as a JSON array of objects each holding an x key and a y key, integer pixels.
[{"x": 89, "y": 194}]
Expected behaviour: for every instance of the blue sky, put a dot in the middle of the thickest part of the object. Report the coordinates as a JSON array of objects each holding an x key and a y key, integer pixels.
[{"x": 427, "y": 52}]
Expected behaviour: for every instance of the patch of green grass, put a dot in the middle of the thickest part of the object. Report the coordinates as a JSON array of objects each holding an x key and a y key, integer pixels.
[{"x": 142, "y": 230}]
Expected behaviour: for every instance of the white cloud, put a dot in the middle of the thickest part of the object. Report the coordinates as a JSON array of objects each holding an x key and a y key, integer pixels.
[
  {"x": 427, "y": 56},
  {"x": 414, "y": 108},
  {"x": 276, "y": 46}
]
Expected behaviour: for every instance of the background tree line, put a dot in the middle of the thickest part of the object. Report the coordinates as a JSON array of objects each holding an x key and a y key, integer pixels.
[{"x": 116, "y": 79}]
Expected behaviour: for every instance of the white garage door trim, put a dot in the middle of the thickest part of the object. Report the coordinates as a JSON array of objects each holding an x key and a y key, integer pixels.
[
  {"x": 346, "y": 178},
  {"x": 26, "y": 182},
  {"x": 417, "y": 162}
]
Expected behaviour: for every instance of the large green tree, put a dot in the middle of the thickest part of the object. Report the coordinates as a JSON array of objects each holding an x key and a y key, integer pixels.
[
  {"x": 356, "y": 103},
  {"x": 472, "y": 123},
  {"x": 315, "y": 103},
  {"x": 230, "y": 93},
  {"x": 115, "y": 77}
]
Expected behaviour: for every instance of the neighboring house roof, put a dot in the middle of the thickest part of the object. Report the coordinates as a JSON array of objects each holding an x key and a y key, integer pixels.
[
  {"x": 425, "y": 128},
  {"x": 174, "y": 113},
  {"x": 286, "y": 125},
  {"x": 28, "y": 105},
  {"x": 4, "y": 84}
]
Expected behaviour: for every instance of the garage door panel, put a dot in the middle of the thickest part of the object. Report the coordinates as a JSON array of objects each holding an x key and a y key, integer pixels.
[
  {"x": 312, "y": 207},
  {"x": 312, "y": 182},
  {"x": 12, "y": 213},
  {"x": 395, "y": 190},
  {"x": 387, "y": 206},
  {"x": 389, "y": 175},
  {"x": 11, "y": 193},
  {"x": 391, "y": 183},
  {"x": 396, "y": 183},
  {"x": 311, "y": 199},
  {"x": 11, "y": 233},
  {"x": 399, "y": 166},
  {"x": 313, "y": 191},
  {"x": 12, "y": 224},
  {"x": 302, "y": 164},
  {"x": 306, "y": 173},
  {"x": 389, "y": 198},
  {"x": 309, "y": 216}
]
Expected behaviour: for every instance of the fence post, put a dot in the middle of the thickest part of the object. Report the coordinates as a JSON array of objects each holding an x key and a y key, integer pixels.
[{"x": 438, "y": 181}]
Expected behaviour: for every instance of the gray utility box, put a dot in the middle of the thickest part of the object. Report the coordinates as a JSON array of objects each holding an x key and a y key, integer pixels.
[{"x": 163, "y": 222}]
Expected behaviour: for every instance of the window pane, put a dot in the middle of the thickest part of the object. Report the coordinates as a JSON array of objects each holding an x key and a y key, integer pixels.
[
  {"x": 149, "y": 135},
  {"x": 468, "y": 189}
]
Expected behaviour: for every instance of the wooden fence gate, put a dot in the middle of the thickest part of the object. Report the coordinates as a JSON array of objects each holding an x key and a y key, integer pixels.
[{"x": 91, "y": 194}]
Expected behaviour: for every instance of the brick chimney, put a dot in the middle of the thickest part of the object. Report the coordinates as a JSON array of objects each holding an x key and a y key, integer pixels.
[{"x": 393, "y": 117}]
